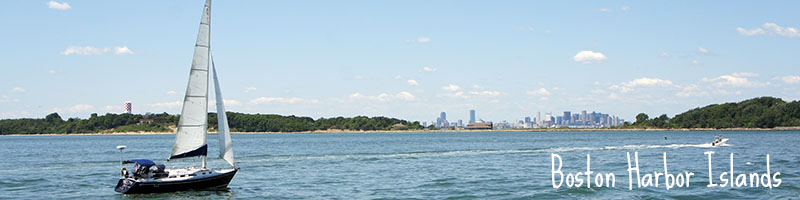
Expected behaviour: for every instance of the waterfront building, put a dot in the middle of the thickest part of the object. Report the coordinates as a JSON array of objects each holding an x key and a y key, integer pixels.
[{"x": 479, "y": 125}]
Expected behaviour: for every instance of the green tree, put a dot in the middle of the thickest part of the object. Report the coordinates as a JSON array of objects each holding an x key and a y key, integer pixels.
[{"x": 641, "y": 118}]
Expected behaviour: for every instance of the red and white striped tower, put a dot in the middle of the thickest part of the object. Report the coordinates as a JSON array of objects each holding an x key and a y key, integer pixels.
[{"x": 128, "y": 107}]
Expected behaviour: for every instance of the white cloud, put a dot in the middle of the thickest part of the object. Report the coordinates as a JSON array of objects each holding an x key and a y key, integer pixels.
[
  {"x": 413, "y": 82},
  {"x": 744, "y": 74},
  {"x": 486, "y": 93},
  {"x": 613, "y": 96},
  {"x": 81, "y": 108},
  {"x": 249, "y": 89},
  {"x": 171, "y": 92},
  {"x": 770, "y": 28},
  {"x": 702, "y": 50},
  {"x": 357, "y": 95},
  {"x": 173, "y": 104},
  {"x": 695, "y": 62},
  {"x": 735, "y": 80},
  {"x": 267, "y": 100},
  {"x": 110, "y": 108},
  {"x": 17, "y": 89},
  {"x": 691, "y": 90},
  {"x": 625, "y": 8},
  {"x": 420, "y": 40},
  {"x": 228, "y": 102},
  {"x": 358, "y": 77},
  {"x": 5, "y": 99},
  {"x": 428, "y": 69},
  {"x": 58, "y": 6},
  {"x": 459, "y": 94},
  {"x": 93, "y": 51},
  {"x": 649, "y": 82},
  {"x": 231, "y": 102},
  {"x": 664, "y": 54},
  {"x": 588, "y": 57},
  {"x": 598, "y": 91},
  {"x": 51, "y": 71},
  {"x": 604, "y": 10},
  {"x": 790, "y": 79},
  {"x": 122, "y": 50},
  {"x": 642, "y": 82},
  {"x": 750, "y": 32},
  {"x": 539, "y": 92},
  {"x": 86, "y": 51},
  {"x": 451, "y": 87},
  {"x": 405, "y": 96},
  {"x": 782, "y": 31},
  {"x": 726, "y": 92}
]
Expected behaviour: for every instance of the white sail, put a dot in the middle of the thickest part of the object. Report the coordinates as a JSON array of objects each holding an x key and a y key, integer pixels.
[
  {"x": 225, "y": 145},
  {"x": 190, "y": 140}
]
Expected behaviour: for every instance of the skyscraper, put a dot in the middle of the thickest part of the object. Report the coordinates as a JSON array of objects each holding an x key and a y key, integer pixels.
[
  {"x": 567, "y": 117},
  {"x": 539, "y": 117},
  {"x": 584, "y": 118},
  {"x": 471, "y": 116},
  {"x": 443, "y": 117}
]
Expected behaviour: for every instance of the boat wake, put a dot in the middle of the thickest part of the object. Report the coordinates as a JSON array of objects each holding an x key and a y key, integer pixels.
[
  {"x": 633, "y": 147},
  {"x": 448, "y": 153}
]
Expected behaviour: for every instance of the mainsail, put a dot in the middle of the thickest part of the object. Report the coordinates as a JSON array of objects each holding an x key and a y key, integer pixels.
[
  {"x": 190, "y": 140},
  {"x": 225, "y": 146}
]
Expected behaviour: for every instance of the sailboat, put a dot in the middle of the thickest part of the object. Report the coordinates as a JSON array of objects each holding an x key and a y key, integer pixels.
[{"x": 190, "y": 139}]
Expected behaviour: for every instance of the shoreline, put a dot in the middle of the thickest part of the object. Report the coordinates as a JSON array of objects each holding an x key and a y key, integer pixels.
[{"x": 441, "y": 131}]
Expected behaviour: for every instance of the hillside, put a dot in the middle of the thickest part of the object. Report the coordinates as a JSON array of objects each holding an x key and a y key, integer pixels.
[
  {"x": 238, "y": 122},
  {"x": 761, "y": 112}
]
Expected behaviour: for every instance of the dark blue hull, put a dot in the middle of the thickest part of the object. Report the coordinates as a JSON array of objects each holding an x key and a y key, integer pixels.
[{"x": 128, "y": 186}]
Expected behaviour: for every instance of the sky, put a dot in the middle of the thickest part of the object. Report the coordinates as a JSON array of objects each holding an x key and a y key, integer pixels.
[{"x": 403, "y": 59}]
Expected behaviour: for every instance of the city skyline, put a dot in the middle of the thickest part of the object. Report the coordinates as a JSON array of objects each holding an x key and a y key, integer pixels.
[
  {"x": 409, "y": 60},
  {"x": 583, "y": 120}
]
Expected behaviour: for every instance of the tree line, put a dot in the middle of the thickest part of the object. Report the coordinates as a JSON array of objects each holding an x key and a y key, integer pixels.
[
  {"x": 761, "y": 112},
  {"x": 238, "y": 122}
]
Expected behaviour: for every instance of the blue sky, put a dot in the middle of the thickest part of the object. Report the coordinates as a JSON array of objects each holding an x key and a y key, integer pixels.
[{"x": 404, "y": 59}]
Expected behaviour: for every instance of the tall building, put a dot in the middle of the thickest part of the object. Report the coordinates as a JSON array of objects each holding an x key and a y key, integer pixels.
[
  {"x": 567, "y": 117},
  {"x": 128, "y": 107},
  {"x": 539, "y": 117},
  {"x": 471, "y": 116},
  {"x": 527, "y": 120},
  {"x": 576, "y": 118},
  {"x": 584, "y": 118},
  {"x": 443, "y": 120}
]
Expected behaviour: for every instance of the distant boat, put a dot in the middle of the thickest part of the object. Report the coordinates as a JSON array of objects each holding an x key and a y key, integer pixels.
[
  {"x": 719, "y": 141},
  {"x": 190, "y": 139}
]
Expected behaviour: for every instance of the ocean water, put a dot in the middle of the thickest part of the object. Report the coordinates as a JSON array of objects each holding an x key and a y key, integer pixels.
[{"x": 450, "y": 165}]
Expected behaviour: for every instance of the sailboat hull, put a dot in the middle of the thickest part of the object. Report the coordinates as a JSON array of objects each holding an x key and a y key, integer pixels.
[{"x": 133, "y": 186}]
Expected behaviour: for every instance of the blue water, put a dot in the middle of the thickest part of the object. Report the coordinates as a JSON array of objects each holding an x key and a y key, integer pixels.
[{"x": 452, "y": 165}]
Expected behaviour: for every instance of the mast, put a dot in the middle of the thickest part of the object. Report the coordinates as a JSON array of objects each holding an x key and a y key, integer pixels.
[{"x": 190, "y": 139}]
